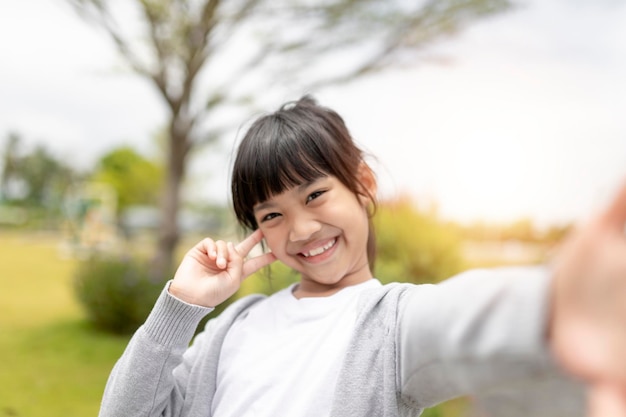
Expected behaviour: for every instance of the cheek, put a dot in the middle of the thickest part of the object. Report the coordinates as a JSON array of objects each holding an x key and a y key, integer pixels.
[{"x": 272, "y": 240}]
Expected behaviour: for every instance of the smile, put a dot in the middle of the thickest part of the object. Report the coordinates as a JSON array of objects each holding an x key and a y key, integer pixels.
[{"x": 320, "y": 250}]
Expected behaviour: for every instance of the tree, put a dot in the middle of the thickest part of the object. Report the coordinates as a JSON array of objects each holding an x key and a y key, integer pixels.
[
  {"x": 205, "y": 56},
  {"x": 135, "y": 178},
  {"x": 10, "y": 166},
  {"x": 35, "y": 178}
]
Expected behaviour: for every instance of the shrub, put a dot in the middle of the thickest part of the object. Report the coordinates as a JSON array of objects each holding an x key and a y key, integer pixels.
[
  {"x": 414, "y": 245},
  {"x": 116, "y": 293}
]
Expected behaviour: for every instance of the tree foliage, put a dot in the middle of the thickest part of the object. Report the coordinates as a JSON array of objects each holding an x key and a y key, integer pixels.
[
  {"x": 207, "y": 56},
  {"x": 135, "y": 178},
  {"x": 521, "y": 230},
  {"x": 33, "y": 178}
]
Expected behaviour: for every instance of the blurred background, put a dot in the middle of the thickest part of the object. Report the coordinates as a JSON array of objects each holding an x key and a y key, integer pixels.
[{"x": 493, "y": 125}]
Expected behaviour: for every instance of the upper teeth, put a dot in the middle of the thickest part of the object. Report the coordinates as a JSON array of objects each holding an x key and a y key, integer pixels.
[{"x": 321, "y": 249}]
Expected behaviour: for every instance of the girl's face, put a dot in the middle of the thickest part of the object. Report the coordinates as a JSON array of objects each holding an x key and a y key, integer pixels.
[{"x": 320, "y": 229}]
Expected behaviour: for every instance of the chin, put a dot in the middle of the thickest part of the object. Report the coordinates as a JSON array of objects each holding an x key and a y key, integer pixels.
[{"x": 325, "y": 281}]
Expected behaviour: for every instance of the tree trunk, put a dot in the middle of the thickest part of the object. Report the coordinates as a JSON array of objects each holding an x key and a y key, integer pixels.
[{"x": 169, "y": 234}]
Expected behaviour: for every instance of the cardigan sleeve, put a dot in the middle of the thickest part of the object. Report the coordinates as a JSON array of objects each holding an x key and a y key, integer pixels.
[
  {"x": 143, "y": 381},
  {"x": 483, "y": 334}
]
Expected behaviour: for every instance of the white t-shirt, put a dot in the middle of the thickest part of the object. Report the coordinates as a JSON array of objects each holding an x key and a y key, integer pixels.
[{"x": 283, "y": 356}]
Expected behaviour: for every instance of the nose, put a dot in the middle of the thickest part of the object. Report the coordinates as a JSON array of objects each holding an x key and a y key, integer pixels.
[{"x": 302, "y": 227}]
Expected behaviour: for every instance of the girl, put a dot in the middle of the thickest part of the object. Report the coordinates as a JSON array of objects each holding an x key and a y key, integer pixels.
[{"x": 339, "y": 343}]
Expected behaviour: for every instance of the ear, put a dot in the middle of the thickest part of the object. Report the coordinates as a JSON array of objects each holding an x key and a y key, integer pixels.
[{"x": 367, "y": 183}]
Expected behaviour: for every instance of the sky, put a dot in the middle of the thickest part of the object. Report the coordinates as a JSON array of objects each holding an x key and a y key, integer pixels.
[{"x": 525, "y": 120}]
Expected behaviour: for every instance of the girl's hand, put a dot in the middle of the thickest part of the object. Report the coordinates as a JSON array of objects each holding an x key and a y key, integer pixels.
[
  {"x": 212, "y": 270},
  {"x": 588, "y": 326}
]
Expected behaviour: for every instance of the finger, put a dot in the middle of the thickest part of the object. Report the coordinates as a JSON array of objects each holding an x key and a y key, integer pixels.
[
  {"x": 221, "y": 259},
  {"x": 203, "y": 251},
  {"x": 254, "y": 264},
  {"x": 235, "y": 266},
  {"x": 606, "y": 401},
  {"x": 615, "y": 213},
  {"x": 245, "y": 246},
  {"x": 208, "y": 246}
]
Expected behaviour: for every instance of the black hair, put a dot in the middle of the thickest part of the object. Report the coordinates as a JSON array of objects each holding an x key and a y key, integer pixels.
[{"x": 299, "y": 143}]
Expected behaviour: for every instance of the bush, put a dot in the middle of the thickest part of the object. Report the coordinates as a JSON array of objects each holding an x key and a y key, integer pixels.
[
  {"x": 414, "y": 245},
  {"x": 116, "y": 293}
]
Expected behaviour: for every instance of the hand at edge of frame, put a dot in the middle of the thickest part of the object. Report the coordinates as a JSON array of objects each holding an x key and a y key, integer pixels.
[{"x": 588, "y": 322}]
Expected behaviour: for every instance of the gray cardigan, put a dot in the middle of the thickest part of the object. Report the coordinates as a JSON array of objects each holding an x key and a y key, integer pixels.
[{"x": 481, "y": 334}]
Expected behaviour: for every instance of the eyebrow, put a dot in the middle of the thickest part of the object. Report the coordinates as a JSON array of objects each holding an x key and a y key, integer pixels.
[
  {"x": 267, "y": 204},
  {"x": 261, "y": 206}
]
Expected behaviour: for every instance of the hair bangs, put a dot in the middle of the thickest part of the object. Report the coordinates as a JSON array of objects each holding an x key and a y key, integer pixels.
[
  {"x": 285, "y": 164},
  {"x": 292, "y": 163}
]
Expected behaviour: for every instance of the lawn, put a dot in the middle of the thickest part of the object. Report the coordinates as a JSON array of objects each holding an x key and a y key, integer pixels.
[{"x": 54, "y": 363}]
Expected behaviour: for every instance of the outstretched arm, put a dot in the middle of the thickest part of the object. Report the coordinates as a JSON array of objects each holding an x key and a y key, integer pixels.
[
  {"x": 498, "y": 319},
  {"x": 588, "y": 325},
  {"x": 483, "y": 333}
]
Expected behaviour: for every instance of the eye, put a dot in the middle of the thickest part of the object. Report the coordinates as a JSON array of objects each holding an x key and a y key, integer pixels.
[
  {"x": 314, "y": 195},
  {"x": 269, "y": 217}
]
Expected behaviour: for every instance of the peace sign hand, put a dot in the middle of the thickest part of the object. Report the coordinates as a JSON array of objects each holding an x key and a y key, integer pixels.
[{"x": 212, "y": 270}]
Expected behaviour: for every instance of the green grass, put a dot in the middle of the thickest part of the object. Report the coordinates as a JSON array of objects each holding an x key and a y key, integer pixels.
[{"x": 54, "y": 363}]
